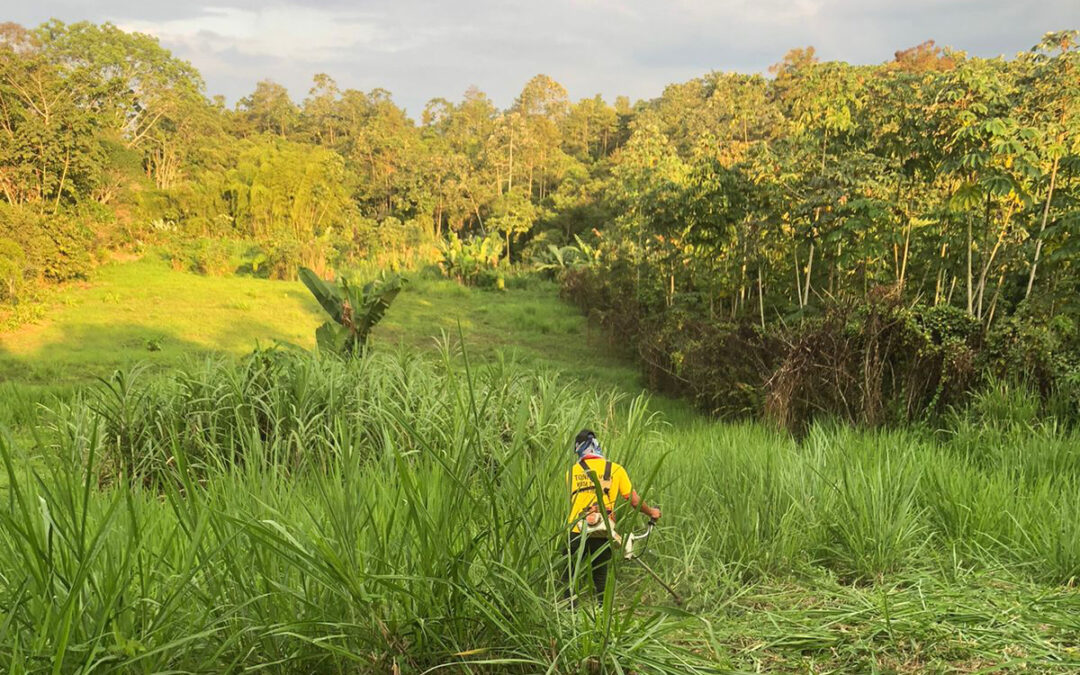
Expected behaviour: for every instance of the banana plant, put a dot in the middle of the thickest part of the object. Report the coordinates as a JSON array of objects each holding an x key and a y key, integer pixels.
[
  {"x": 353, "y": 310},
  {"x": 590, "y": 254},
  {"x": 559, "y": 258},
  {"x": 465, "y": 261}
]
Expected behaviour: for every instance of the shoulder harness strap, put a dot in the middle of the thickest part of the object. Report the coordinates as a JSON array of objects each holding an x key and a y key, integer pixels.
[{"x": 605, "y": 482}]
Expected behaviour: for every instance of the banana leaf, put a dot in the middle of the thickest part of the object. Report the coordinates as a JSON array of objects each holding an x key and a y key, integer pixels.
[
  {"x": 377, "y": 299},
  {"x": 335, "y": 339},
  {"x": 326, "y": 295}
]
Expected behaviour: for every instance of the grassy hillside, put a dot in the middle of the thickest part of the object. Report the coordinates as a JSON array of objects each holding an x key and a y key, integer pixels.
[
  {"x": 144, "y": 311},
  {"x": 394, "y": 514}
]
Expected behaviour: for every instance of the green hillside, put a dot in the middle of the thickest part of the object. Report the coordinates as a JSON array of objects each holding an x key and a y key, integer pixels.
[
  {"x": 145, "y": 312},
  {"x": 341, "y": 505}
]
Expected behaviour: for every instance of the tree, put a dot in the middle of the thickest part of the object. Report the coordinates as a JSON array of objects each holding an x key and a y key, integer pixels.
[
  {"x": 128, "y": 78},
  {"x": 539, "y": 110},
  {"x": 990, "y": 161},
  {"x": 385, "y": 147},
  {"x": 589, "y": 129},
  {"x": 1054, "y": 86},
  {"x": 50, "y": 154},
  {"x": 924, "y": 57},
  {"x": 320, "y": 111},
  {"x": 269, "y": 109},
  {"x": 512, "y": 214}
]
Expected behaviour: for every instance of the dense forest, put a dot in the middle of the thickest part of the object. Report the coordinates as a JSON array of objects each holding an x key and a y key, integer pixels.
[{"x": 870, "y": 242}]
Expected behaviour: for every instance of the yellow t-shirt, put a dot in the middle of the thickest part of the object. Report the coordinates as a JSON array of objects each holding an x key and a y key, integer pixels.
[{"x": 583, "y": 491}]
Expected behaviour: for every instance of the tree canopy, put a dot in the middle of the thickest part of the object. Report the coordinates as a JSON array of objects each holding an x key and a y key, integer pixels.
[{"x": 950, "y": 178}]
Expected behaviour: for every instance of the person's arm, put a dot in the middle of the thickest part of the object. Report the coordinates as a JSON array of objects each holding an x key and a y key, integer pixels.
[
  {"x": 627, "y": 491},
  {"x": 638, "y": 503}
]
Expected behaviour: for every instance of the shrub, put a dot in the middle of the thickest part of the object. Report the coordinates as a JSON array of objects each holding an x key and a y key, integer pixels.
[
  {"x": 354, "y": 310},
  {"x": 472, "y": 262},
  {"x": 212, "y": 257},
  {"x": 538, "y": 245},
  {"x": 1044, "y": 355},
  {"x": 253, "y": 262},
  {"x": 556, "y": 260},
  {"x": 56, "y": 247},
  {"x": 872, "y": 362},
  {"x": 284, "y": 258},
  {"x": 12, "y": 270}
]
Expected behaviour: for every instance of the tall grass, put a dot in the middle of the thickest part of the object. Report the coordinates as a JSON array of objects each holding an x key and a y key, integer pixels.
[
  {"x": 864, "y": 504},
  {"x": 391, "y": 514},
  {"x": 402, "y": 514},
  {"x": 21, "y": 403}
]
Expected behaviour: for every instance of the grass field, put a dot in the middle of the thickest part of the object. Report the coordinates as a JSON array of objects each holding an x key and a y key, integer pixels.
[
  {"x": 403, "y": 514},
  {"x": 144, "y": 312}
]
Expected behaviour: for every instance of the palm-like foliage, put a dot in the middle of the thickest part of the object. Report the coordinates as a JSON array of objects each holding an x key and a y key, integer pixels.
[
  {"x": 353, "y": 310},
  {"x": 466, "y": 260},
  {"x": 558, "y": 258}
]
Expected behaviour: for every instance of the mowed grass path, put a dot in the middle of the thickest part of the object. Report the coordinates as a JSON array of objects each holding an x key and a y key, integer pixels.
[{"x": 145, "y": 312}]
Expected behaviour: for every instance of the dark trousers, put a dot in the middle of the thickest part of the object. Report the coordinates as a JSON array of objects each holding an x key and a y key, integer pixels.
[{"x": 593, "y": 553}]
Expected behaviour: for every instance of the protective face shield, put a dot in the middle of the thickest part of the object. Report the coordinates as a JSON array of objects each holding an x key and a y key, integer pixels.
[{"x": 589, "y": 446}]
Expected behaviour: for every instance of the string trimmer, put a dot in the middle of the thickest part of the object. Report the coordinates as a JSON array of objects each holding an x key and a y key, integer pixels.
[{"x": 631, "y": 551}]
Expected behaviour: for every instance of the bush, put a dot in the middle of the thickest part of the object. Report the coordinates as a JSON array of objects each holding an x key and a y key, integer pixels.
[
  {"x": 211, "y": 257},
  {"x": 56, "y": 247},
  {"x": 472, "y": 262},
  {"x": 721, "y": 366},
  {"x": 538, "y": 246},
  {"x": 874, "y": 361},
  {"x": 206, "y": 256},
  {"x": 253, "y": 262},
  {"x": 555, "y": 261},
  {"x": 284, "y": 258},
  {"x": 1044, "y": 355},
  {"x": 67, "y": 250},
  {"x": 12, "y": 270}
]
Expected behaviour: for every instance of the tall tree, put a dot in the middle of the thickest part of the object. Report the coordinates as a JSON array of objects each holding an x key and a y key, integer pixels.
[{"x": 269, "y": 109}]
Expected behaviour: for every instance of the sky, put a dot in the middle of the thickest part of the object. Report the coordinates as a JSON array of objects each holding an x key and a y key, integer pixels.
[{"x": 423, "y": 50}]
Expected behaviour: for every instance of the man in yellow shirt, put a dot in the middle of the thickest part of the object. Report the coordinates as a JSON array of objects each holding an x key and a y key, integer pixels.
[{"x": 593, "y": 525}]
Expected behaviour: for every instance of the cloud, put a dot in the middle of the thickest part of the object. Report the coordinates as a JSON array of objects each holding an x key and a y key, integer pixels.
[
  {"x": 424, "y": 49},
  {"x": 289, "y": 32}
]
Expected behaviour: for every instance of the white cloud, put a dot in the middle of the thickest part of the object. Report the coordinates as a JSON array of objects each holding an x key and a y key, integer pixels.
[
  {"x": 420, "y": 49},
  {"x": 290, "y": 32}
]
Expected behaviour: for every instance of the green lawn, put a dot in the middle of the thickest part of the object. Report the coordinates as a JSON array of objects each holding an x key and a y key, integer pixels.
[{"x": 145, "y": 312}]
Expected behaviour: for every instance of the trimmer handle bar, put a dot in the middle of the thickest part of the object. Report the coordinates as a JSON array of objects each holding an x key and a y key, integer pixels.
[{"x": 636, "y": 537}]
